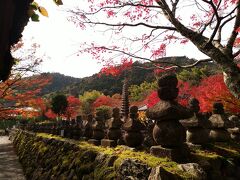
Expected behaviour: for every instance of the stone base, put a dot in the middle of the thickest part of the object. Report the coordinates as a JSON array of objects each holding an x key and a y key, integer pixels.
[
  {"x": 195, "y": 146},
  {"x": 178, "y": 154},
  {"x": 219, "y": 135},
  {"x": 94, "y": 142},
  {"x": 235, "y": 137},
  {"x": 197, "y": 135},
  {"x": 83, "y": 139},
  {"x": 108, "y": 143},
  {"x": 120, "y": 142}
]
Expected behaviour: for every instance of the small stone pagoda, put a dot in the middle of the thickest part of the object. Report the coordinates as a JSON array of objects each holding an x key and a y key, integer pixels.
[
  {"x": 114, "y": 129},
  {"x": 218, "y": 124},
  {"x": 168, "y": 132},
  {"x": 196, "y": 131},
  {"x": 133, "y": 136},
  {"x": 125, "y": 101}
]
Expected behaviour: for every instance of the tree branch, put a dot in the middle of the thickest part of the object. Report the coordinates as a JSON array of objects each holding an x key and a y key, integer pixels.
[
  {"x": 131, "y": 25},
  {"x": 234, "y": 33},
  {"x": 157, "y": 61}
]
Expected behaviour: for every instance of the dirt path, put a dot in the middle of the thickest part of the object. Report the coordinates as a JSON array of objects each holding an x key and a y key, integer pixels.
[{"x": 10, "y": 168}]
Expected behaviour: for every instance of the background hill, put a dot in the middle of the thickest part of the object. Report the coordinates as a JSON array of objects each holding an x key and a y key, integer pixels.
[{"x": 109, "y": 84}]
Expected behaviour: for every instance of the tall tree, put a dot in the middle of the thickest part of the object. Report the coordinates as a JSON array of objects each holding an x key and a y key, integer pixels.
[
  {"x": 213, "y": 27},
  {"x": 19, "y": 89},
  {"x": 73, "y": 107},
  {"x": 59, "y": 104}
]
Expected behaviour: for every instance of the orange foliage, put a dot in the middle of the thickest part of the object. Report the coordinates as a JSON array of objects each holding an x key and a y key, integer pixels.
[
  {"x": 106, "y": 101},
  {"x": 20, "y": 92},
  {"x": 73, "y": 107},
  {"x": 210, "y": 89},
  {"x": 213, "y": 89},
  {"x": 71, "y": 111}
]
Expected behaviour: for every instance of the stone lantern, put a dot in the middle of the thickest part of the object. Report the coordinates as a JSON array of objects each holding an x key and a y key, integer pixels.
[{"x": 168, "y": 132}]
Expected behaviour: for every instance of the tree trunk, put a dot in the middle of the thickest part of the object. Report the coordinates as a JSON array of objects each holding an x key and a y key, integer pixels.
[{"x": 232, "y": 81}]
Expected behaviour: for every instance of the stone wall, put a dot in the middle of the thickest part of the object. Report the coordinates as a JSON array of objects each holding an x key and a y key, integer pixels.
[{"x": 45, "y": 156}]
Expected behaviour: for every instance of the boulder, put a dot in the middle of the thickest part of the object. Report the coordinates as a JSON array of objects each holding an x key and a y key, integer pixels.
[
  {"x": 194, "y": 169},
  {"x": 133, "y": 169}
]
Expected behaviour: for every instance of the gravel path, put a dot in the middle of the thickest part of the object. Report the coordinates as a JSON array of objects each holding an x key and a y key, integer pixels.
[{"x": 10, "y": 168}]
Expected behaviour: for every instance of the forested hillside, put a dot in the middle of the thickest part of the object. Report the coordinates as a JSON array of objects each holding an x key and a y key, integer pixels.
[{"x": 109, "y": 84}]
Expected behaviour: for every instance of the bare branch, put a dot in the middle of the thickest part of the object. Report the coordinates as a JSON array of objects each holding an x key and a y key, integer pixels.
[
  {"x": 157, "y": 61},
  {"x": 236, "y": 53},
  {"x": 215, "y": 9},
  {"x": 234, "y": 33},
  {"x": 131, "y": 25},
  {"x": 221, "y": 27},
  {"x": 118, "y": 7}
]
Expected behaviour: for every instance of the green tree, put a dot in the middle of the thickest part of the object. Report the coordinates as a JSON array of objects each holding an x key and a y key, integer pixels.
[
  {"x": 140, "y": 92},
  {"x": 194, "y": 75},
  {"x": 87, "y": 100},
  {"x": 59, "y": 104},
  {"x": 105, "y": 110}
]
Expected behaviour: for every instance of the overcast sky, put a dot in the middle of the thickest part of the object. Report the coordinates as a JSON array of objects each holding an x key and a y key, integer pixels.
[{"x": 59, "y": 39}]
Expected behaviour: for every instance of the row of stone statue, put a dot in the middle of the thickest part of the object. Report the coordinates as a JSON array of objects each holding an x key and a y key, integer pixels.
[
  {"x": 98, "y": 130},
  {"x": 173, "y": 125},
  {"x": 172, "y": 119}
]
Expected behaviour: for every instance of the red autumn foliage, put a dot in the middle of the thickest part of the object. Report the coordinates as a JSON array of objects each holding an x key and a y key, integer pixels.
[
  {"x": 152, "y": 99},
  {"x": 154, "y": 31},
  {"x": 73, "y": 107},
  {"x": 210, "y": 89},
  {"x": 184, "y": 95},
  {"x": 116, "y": 70},
  {"x": 38, "y": 104},
  {"x": 213, "y": 89},
  {"x": 18, "y": 92},
  {"x": 50, "y": 114},
  {"x": 71, "y": 111},
  {"x": 106, "y": 101}
]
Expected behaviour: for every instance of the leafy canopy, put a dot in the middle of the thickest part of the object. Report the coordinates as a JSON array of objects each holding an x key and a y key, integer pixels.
[{"x": 59, "y": 104}]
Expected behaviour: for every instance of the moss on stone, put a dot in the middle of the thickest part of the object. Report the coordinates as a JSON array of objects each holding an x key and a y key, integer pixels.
[
  {"x": 104, "y": 172},
  {"x": 81, "y": 156},
  {"x": 122, "y": 153}
]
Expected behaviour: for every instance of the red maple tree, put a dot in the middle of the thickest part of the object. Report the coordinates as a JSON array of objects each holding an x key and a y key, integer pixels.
[
  {"x": 17, "y": 93},
  {"x": 71, "y": 111},
  {"x": 213, "y": 89},
  {"x": 106, "y": 101},
  {"x": 73, "y": 107},
  {"x": 210, "y": 90},
  {"x": 145, "y": 29}
]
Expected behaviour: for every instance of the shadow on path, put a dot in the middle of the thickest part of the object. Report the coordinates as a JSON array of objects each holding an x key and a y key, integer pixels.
[{"x": 10, "y": 168}]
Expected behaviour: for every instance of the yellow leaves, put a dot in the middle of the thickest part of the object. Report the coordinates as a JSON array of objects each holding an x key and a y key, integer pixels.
[
  {"x": 34, "y": 7},
  {"x": 43, "y": 11}
]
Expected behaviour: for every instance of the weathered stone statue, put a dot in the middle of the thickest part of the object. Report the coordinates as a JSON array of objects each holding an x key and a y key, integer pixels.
[
  {"x": 196, "y": 131},
  {"x": 67, "y": 129},
  {"x": 98, "y": 129},
  {"x": 87, "y": 127},
  {"x": 235, "y": 131},
  {"x": 132, "y": 127},
  {"x": 114, "y": 129},
  {"x": 168, "y": 132},
  {"x": 219, "y": 123},
  {"x": 77, "y": 128}
]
